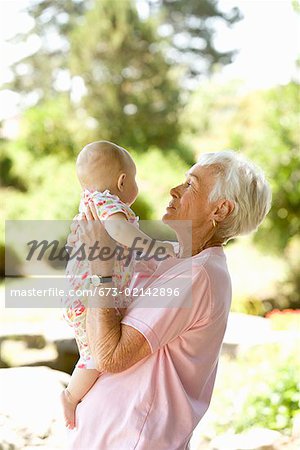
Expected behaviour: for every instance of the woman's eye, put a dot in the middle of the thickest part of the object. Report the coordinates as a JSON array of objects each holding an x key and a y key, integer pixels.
[{"x": 188, "y": 183}]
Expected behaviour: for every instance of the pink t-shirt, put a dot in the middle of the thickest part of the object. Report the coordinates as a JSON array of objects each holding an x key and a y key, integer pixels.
[{"x": 158, "y": 402}]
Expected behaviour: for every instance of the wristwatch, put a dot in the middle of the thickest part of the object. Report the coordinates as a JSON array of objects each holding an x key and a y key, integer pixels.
[{"x": 96, "y": 280}]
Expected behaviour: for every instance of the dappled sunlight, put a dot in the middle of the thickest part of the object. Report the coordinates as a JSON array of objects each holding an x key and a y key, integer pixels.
[{"x": 168, "y": 81}]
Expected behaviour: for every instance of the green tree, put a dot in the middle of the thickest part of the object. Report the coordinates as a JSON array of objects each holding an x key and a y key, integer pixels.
[
  {"x": 190, "y": 37},
  {"x": 130, "y": 91},
  {"x": 266, "y": 127},
  {"x": 126, "y": 63},
  {"x": 38, "y": 73},
  {"x": 46, "y": 129}
]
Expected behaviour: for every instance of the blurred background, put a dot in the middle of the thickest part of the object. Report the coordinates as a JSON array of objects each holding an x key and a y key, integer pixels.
[{"x": 168, "y": 80}]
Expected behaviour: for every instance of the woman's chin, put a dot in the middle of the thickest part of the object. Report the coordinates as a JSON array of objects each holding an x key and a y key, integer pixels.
[{"x": 168, "y": 215}]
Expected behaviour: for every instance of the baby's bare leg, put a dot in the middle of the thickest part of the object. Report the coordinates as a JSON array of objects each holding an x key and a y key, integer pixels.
[{"x": 80, "y": 383}]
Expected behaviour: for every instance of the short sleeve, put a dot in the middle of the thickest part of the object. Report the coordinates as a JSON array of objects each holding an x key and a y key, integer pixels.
[
  {"x": 161, "y": 325},
  {"x": 107, "y": 204}
]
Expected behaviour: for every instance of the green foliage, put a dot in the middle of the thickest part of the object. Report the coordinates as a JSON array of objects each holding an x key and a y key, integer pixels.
[
  {"x": 53, "y": 21},
  {"x": 207, "y": 118},
  {"x": 47, "y": 129},
  {"x": 265, "y": 126},
  {"x": 259, "y": 388},
  {"x": 9, "y": 177},
  {"x": 288, "y": 290},
  {"x": 49, "y": 196},
  {"x": 142, "y": 208},
  {"x": 131, "y": 94},
  {"x": 282, "y": 120},
  {"x": 192, "y": 33},
  {"x": 277, "y": 403},
  {"x": 53, "y": 192},
  {"x": 135, "y": 90},
  {"x": 296, "y": 5},
  {"x": 157, "y": 173},
  {"x": 248, "y": 305}
]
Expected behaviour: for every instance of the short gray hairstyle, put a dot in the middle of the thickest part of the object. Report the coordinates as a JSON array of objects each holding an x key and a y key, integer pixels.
[{"x": 243, "y": 183}]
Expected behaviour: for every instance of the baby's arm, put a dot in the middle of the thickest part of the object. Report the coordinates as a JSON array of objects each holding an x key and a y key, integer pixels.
[{"x": 126, "y": 233}]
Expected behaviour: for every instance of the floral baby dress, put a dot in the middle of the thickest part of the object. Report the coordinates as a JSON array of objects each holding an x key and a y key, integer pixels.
[{"x": 78, "y": 274}]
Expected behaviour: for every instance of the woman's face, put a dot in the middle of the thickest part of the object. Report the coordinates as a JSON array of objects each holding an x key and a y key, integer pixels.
[{"x": 190, "y": 199}]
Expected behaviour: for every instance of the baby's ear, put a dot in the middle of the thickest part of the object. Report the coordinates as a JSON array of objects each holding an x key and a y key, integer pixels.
[{"x": 121, "y": 180}]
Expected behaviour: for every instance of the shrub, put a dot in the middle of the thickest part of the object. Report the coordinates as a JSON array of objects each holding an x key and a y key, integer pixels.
[
  {"x": 260, "y": 388},
  {"x": 277, "y": 405}
]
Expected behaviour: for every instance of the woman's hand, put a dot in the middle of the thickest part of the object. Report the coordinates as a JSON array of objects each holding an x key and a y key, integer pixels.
[
  {"x": 168, "y": 248},
  {"x": 73, "y": 237},
  {"x": 159, "y": 246}
]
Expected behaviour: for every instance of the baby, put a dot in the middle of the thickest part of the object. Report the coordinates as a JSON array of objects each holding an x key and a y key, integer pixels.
[{"x": 106, "y": 173}]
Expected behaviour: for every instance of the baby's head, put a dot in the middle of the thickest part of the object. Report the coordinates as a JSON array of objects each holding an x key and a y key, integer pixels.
[{"x": 103, "y": 165}]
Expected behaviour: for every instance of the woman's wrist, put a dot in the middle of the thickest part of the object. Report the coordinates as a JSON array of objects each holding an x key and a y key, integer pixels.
[
  {"x": 102, "y": 268},
  {"x": 101, "y": 300}
]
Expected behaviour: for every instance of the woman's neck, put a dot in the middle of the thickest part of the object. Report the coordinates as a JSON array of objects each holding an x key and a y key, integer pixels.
[{"x": 192, "y": 245}]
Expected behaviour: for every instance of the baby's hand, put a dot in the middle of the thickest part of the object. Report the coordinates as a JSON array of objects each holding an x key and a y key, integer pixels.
[{"x": 168, "y": 247}]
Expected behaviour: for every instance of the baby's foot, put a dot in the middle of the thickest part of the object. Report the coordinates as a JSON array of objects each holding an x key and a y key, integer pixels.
[{"x": 69, "y": 406}]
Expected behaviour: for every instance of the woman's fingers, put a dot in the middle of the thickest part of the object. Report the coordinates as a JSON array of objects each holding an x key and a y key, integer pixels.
[
  {"x": 74, "y": 226},
  {"x": 85, "y": 225},
  {"x": 88, "y": 213},
  {"x": 75, "y": 223},
  {"x": 72, "y": 238},
  {"x": 93, "y": 210},
  {"x": 91, "y": 230}
]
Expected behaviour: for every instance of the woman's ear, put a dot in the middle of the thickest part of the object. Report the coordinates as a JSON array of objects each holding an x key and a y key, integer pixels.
[
  {"x": 223, "y": 210},
  {"x": 120, "y": 182}
]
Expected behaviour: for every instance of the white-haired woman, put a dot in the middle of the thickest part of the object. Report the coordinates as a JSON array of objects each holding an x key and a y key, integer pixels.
[{"x": 160, "y": 359}]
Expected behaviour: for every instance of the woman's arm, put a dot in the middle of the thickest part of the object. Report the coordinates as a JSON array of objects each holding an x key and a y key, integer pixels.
[{"x": 114, "y": 346}]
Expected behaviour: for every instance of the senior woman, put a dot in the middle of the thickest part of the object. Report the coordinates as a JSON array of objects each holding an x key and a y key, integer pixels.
[{"x": 159, "y": 363}]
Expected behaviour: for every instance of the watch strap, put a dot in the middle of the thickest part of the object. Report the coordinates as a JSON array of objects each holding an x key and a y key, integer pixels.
[
  {"x": 106, "y": 279},
  {"x": 96, "y": 280}
]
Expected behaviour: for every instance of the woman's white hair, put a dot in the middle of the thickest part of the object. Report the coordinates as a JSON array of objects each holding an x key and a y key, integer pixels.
[{"x": 244, "y": 184}]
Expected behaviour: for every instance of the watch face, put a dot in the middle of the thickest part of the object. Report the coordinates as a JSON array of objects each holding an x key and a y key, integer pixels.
[{"x": 95, "y": 280}]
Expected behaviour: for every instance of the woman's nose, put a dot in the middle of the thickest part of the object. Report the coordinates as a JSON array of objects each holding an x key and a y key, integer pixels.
[{"x": 174, "y": 192}]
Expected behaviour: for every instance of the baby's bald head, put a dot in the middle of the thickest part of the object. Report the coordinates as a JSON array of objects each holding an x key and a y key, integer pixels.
[{"x": 99, "y": 165}]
